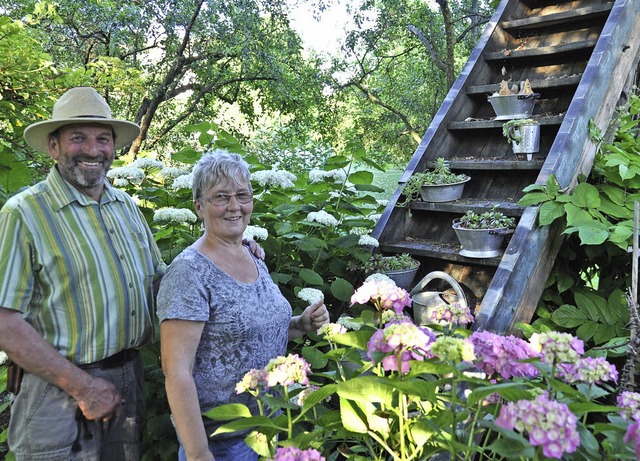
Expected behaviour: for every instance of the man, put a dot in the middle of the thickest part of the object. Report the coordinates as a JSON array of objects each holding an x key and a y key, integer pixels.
[{"x": 77, "y": 268}]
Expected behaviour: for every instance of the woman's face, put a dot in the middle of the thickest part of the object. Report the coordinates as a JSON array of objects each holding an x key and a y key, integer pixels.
[{"x": 226, "y": 220}]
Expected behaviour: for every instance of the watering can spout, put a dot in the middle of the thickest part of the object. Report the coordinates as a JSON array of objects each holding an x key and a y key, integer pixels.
[{"x": 426, "y": 302}]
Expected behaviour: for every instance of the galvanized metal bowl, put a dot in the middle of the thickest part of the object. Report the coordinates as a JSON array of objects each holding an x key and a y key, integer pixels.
[{"x": 511, "y": 106}]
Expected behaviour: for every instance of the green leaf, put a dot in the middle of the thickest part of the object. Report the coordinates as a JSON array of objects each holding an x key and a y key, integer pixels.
[
  {"x": 353, "y": 418},
  {"x": 549, "y": 212},
  {"x": 361, "y": 177},
  {"x": 228, "y": 412},
  {"x": 591, "y": 232},
  {"x": 357, "y": 339},
  {"x": 568, "y": 316},
  {"x": 367, "y": 389},
  {"x": 311, "y": 277},
  {"x": 342, "y": 289},
  {"x": 187, "y": 155},
  {"x": 586, "y": 195},
  {"x": 533, "y": 198},
  {"x": 316, "y": 358}
]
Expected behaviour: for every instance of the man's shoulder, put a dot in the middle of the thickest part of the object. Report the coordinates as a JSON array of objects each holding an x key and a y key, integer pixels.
[{"x": 25, "y": 196}]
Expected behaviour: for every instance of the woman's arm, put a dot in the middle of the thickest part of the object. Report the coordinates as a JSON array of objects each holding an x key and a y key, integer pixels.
[
  {"x": 179, "y": 341},
  {"x": 313, "y": 317}
]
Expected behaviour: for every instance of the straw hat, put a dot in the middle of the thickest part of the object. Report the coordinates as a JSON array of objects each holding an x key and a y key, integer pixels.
[{"x": 80, "y": 105}]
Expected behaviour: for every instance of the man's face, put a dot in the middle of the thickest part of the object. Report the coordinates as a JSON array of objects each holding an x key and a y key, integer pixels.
[{"x": 84, "y": 153}]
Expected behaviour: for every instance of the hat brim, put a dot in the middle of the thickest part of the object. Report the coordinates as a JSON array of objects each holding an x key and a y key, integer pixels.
[{"x": 37, "y": 134}]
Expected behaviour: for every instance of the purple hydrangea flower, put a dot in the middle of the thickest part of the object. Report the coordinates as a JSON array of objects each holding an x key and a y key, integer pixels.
[
  {"x": 630, "y": 401},
  {"x": 557, "y": 347},
  {"x": 287, "y": 370},
  {"x": 550, "y": 424},
  {"x": 400, "y": 340},
  {"x": 296, "y": 454},
  {"x": 632, "y": 437},
  {"x": 588, "y": 370},
  {"x": 502, "y": 355},
  {"x": 452, "y": 314}
]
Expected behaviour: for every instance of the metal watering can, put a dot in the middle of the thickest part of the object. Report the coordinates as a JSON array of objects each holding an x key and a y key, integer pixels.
[{"x": 425, "y": 302}]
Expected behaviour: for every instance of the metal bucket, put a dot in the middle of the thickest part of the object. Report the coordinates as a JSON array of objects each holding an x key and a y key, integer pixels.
[
  {"x": 529, "y": 139},
  {"x": 480, "y": 243},
  {"x": 511, "y": 106},
  {"x": 425, "y": 302},
  {"x": 442, "y": 192}
]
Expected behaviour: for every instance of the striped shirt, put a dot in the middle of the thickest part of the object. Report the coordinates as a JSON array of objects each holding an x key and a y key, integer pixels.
[{"x": 81, "y": 272}]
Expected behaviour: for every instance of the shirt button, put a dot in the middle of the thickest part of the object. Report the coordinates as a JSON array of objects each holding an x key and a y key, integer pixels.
[
  {"x": 130, "y": 284},
  {"x": 133, "y": 313},
  {"x": 112, "y": 231}
]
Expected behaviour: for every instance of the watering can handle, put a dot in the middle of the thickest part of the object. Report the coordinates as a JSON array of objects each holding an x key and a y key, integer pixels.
[{"x": 444, "y": 276}]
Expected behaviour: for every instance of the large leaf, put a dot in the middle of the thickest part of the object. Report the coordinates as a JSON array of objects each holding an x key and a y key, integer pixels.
[
  {"x": 342, "y": 289},
  {"x": 311, "y": 277},
  {"x": 549, "y": 212},
  {"x": 586, "y": 195},
  {"x": 367, "y": 389},
  {"x": 361, "y": 177},
  {"x": 569, "y": 316},
  {"x": 228, "y": 412}
]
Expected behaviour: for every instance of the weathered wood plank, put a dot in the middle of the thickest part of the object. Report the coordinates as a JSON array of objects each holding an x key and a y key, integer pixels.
[
  {"x": 542, "y": 52},
  {"x": 484, "y": 124},
  {"x": 566, "y": 17},
  {"x": 537, "y": 85},
  {"x": 463, "y": 205},
  {"x": 491, "y": 164},
  {"x": 435, "y": 249}
]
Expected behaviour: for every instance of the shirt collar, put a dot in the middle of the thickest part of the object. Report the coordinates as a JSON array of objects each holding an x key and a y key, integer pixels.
[{"x": 64, "y": 193}]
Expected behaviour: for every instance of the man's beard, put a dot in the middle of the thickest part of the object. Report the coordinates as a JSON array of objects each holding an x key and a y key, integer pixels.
[{"x": 72, "y": 172}]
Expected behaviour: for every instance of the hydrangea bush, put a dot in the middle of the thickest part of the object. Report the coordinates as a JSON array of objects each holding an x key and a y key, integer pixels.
[{"x": 393, "y": 390}]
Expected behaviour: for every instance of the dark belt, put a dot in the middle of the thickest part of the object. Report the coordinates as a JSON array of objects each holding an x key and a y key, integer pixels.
[{"x": 115, "y": 361}]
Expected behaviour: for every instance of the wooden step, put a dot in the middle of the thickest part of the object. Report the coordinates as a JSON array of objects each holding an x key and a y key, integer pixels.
[
  {"x": 463, "y": 205},
  {"x": 566, "y": 17},
  {"x": 480, "y": 164},
  {"x": 435, "y": 249},
  {"x": 570, "y": 81},
  {"x": 543, "y": 52},
  {"x": 491, "y": 123}
]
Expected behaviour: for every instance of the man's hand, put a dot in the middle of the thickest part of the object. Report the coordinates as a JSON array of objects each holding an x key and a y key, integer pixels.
[
  {"x": 256, "y": 249},
  {"x": 99, "y": 400}
]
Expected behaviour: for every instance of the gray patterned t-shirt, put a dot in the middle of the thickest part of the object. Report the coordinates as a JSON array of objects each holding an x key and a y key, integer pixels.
[{"x": 246, "y": 324}]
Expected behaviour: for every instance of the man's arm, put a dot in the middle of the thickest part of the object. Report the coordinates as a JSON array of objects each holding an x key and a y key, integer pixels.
[{"x": 96, "y": 397}]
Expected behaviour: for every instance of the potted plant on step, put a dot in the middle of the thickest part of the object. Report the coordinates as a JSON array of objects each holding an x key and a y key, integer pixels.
[
  {"x": 524, "y": 136},
  {"x": 515, "y": 101},
  {"x": 482, "y": 234},
  {"x": 437, "y": 185},
  {"x": 401, "y": 268}
]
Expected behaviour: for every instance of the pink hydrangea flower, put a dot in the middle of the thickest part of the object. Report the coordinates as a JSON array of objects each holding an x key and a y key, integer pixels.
[
  {"x": 403, "y": 340},
  {"x": 502, "y": 355},
  {"x": 588, "y": 370},
  {"x": 287, "y": 370},
  {"x": 383, "y": 295},
  {"x": 550, "y": 424},
  {"x": 251, "y": 381},
  {"x": 453, "y": 314},
  {"x": 296, "y": 454}
]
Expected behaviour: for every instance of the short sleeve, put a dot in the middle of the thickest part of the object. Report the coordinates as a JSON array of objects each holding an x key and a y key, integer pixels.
[
  {"x": 182, "y": 294},
  {"x": 16, "y": 268}
]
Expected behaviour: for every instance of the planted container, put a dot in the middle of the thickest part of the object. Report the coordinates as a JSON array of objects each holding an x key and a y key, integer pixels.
[
  {"x": 482, "y": 235},
  {"x": 524, "y": 135},
  {"x": 437, "y": 185},
  {"x": 513, "y": 106}
]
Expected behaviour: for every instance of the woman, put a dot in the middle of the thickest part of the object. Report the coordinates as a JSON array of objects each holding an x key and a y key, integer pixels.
[{"x": 221, "y": 314}]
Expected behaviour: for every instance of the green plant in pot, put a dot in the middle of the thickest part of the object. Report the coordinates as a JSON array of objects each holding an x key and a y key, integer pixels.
[
  {"x": 482, "y": 234},
  {"x": 524, "y": 135},
  {"x": 401, "y": 268},
  {"x": 437, "y": 185}
]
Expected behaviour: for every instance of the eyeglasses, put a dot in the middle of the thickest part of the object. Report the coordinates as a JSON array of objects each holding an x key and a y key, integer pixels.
[{"x": 223, "y": 199}]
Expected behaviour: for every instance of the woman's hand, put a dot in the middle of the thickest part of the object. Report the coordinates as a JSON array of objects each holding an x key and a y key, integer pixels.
[{"x": 313, "y": 317}]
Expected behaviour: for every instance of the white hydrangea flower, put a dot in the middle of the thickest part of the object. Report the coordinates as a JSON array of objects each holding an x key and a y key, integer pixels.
[
  {"x": 146, "y": 163},
  {"x": 349, "y": 323},
  {"x": 120, "y": 182},
  {"x": 321, "y": 175},
  {"x": 297, "y": 198},
  {"x": 134, "y": 175},
  {"x": 255, "y": 233},
  {"x": 172, "y": 172},
  {"x": 382, "y": 202},
  {"x": 379, "y": 278},
  {"x": 311, "y": 295},
  {"x": 174, "y": 215},
  {"x": 367, "y": 240},
  {"x": 3, "y": 357},
  {"x": 280, "y": 178},
  {"x": 322, "y": 217},
  {"x": 183, "y": 182},
  {"x": 359, "y": 230},
  {"x": 374, "y": 217}
]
